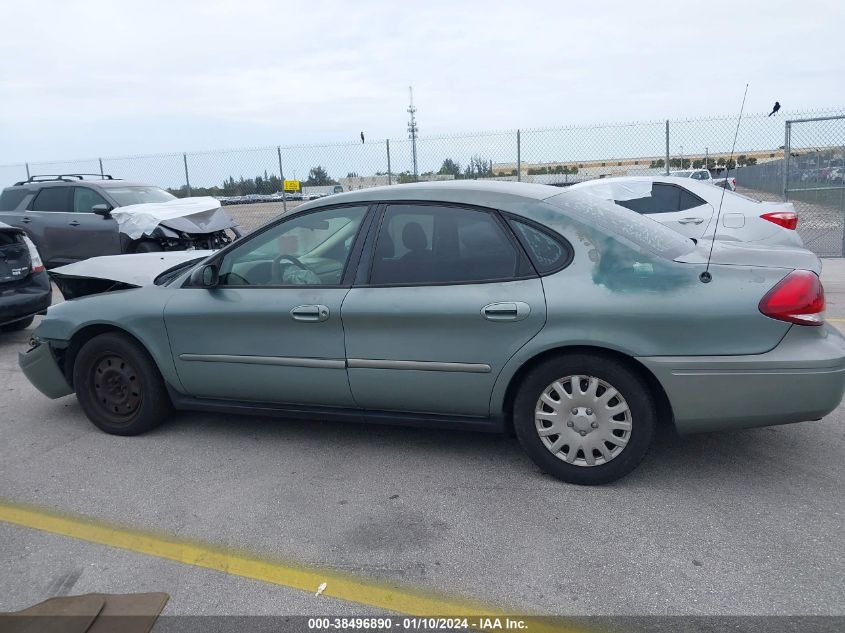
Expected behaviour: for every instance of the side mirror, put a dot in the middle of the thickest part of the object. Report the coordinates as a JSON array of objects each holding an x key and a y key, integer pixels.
[
  {"x": 102, "y": 209},
  {"x": 205, "y": 276}
]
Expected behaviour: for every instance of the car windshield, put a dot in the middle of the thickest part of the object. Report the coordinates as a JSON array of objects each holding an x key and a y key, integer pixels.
[
  {"x": 682, "y": 174},
  {"x": 124, "y": 196},
  {"x": 623, "y": 223}
]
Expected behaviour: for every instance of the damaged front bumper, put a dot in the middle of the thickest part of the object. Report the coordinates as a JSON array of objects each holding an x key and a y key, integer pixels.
[
  {"x": 41, "y": 368},
  {"x": 171, "y": 240}
]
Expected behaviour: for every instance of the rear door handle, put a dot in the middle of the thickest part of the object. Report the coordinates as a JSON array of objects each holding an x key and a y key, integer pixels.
[
  {"x": 506, "y": 311},
  {"x": 691, "y": 221},
  {"x": 26, "y": 220},
  {"x": 74, "y": 223},
  {"x": 313, "y": 313}
]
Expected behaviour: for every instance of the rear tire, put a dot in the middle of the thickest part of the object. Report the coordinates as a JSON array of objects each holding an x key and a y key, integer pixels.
[
  {"x": 17, "y": 326},
  {"x": 585, "y": 418},
  {"x": 119, "y": 386},
  {"x": 148, "y": 246}
]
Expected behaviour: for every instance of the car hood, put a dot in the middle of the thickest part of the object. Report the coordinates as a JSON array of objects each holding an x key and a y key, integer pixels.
[
  {"x": 189, "y": 215},
  {"x": 117, "y": 272},
  {"x": 749, "y": 254}
]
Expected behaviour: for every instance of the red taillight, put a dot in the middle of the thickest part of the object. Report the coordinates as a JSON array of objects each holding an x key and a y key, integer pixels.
[
  {"x": 36, "y": 265},
  {"x": 786, "y": 219},
  {"x": 797, "y": 298}
]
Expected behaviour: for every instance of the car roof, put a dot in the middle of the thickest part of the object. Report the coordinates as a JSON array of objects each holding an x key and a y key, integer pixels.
[
  {"x": 105, "y": 183},
  {"x": 498, "y": 194},
  {"x": 699, "y": 187}
]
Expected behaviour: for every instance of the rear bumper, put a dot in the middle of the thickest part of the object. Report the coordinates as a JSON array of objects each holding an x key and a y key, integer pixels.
[
  {"x": 40, "y": 367},
  {"x": 803, "y": 378},
  {"x": 25, "y": 300}
]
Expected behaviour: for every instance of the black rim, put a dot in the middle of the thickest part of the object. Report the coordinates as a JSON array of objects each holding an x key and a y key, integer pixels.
[{"x": 116, "y": 386}]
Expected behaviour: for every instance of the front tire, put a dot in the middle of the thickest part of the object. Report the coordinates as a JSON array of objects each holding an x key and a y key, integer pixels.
[
  {"x": 119, "y": 386},
  {"x": 586, "y": 419}
]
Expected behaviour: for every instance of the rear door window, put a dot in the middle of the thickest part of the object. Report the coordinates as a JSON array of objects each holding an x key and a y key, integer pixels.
[
  {"x": 663, "y": 199},
  {"x": 434, "y": 244},
  {"x": 56, "y": 199},
  {"x": 689, "y": 200}
]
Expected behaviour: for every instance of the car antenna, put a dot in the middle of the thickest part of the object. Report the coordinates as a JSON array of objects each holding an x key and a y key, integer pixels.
[{"x": 706, "y": 277}]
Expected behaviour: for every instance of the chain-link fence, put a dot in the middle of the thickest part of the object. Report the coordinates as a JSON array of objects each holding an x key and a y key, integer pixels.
[{"x": 250, "y": 181}]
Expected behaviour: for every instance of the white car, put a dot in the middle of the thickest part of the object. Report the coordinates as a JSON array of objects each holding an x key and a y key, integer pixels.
[
  {"x": 704, "y": 175},
  {"x": 690, "y": 207}
]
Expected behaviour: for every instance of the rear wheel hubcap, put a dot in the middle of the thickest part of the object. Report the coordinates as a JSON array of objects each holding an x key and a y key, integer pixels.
[{"x": 583, "y": 420}]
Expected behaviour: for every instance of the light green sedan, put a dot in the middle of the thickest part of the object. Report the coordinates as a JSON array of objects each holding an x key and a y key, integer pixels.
[{"x": 577, "y": 323}]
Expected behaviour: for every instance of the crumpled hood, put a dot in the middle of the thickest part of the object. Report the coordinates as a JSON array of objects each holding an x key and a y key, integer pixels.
[
  {"x": 196, "y": 215},
  {"x": 749, "y": 254},
  {"x": 116, "y": 272}
]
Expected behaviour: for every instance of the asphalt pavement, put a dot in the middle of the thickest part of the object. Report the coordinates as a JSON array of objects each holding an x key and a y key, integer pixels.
[{"x": 739, "y": 523}]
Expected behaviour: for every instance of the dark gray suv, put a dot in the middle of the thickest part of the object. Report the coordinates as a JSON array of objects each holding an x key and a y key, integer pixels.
[{"x": 68, "y": 216}]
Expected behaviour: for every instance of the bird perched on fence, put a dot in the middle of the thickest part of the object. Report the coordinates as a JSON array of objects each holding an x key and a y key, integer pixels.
[
  {"x": 362, "y": 137},
  {"x": 775, "y": 109}
]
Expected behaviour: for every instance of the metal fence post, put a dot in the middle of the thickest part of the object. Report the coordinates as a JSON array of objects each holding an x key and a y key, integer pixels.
[
  {"x": 518, "y": 156},
  {"x": 282, "y": 177},
  {"x": 27, "y": 171},
  {"x": 389, "y": 174},
  {"x": 787, "y": 141},
  {"x": 187, "y": 180},
  {"x": 667, "y": 147},
  {"x": 100, "y": 160}
]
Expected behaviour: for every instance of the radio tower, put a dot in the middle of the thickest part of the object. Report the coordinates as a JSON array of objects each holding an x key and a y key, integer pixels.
[{"x": 412, "y": 129}]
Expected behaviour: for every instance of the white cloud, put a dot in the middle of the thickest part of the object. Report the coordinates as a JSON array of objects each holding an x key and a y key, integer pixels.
[{"x": 99, "y": 77}]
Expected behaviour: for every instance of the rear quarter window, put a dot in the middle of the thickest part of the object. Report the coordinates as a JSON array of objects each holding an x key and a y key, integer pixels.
[
  {"x": 10, "y": 199},
  {"x": 547, "y": 253}
]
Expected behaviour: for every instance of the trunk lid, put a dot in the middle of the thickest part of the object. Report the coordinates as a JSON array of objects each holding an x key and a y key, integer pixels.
[
  {"x": 15, "y": 262},
  {"x": 749, "y": 254}
]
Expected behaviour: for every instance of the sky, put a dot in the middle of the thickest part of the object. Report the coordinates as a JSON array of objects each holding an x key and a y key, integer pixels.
[{"x": 89, "y": 78}]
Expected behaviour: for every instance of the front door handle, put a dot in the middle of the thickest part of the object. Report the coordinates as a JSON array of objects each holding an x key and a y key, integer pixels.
[
  {"x": 74, "y": 223},
  {"x": 26, "y": 220},
  {"x": 691, "y": 221},
  {"x": 314, "y": 313},
  {"x": 506, "y": 311}
]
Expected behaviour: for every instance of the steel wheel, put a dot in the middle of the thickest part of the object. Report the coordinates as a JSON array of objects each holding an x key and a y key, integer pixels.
[
  {"x": 117, "y": 387},
  {"x": 583, "y": 420}
]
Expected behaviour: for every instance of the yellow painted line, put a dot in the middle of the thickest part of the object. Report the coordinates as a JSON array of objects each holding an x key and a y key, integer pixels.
[
  {"x": 834, "y": 319},
  {"x": 382, "y": 595}
]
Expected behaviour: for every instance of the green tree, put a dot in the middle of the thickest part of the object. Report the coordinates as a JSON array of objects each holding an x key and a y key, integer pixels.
[
  {"x": 450, "y": 167},
  {"x": 478, "y": 168},
  {"x": 319, "y": 176}
]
